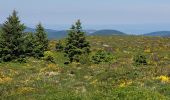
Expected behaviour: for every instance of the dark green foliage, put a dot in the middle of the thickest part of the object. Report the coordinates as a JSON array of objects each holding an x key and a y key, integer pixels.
[
  {"x": 50, "y": 59},
  {"x": 59, "y": 47},
  {"x": 85, "y": 59},
  {"x": 102, "y": 56},
  {"x": 139, "y": 59},
  {"x": 12, "y": 40},
  {"x": 29, "y": 44},
  {"x": 41, "y": 41},
  {"x": 76, "y": 43}
]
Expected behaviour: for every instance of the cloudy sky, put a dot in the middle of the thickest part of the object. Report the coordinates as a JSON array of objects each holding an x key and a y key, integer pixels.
[{"x": 126, "y": 15}]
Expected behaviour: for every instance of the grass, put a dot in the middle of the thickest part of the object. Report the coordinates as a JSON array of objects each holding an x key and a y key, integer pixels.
[{"x": 119, "y": 80}]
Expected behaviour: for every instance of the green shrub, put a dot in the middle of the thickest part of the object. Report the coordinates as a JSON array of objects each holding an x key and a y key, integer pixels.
[
  {"x": 139, "y": 59},
  {"x": 48, "y": 56},
  {"x": 102, "y": 56},
  {"x": 84, "y": 59},
  {"x": 59, "y": 46}
]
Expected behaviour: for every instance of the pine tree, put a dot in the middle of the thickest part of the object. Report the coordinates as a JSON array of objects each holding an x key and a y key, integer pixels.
[
  {"x": 41, "y": 41},
  {"x": 76, "y": 43},
  {"x": 11, "y": 46}
]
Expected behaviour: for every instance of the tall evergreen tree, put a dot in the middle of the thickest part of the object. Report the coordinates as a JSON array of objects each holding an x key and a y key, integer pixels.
[
  {"x": 41, "y": 41},
  {"x": 76, "y": 43},
  {"x": 11, "y": 46}
]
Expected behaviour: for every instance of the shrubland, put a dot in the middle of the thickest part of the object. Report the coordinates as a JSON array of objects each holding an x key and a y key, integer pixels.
[{"x": 101, "y": 68}]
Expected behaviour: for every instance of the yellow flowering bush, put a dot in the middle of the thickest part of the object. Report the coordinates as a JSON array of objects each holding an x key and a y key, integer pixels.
[
  {"x": 24, "y": 90},
  {"x": 50, "y": 67},
  {"x": 164, "y": 79},
  {"x": 5, "y": 80},
  {"x": 124, "y": 84}
]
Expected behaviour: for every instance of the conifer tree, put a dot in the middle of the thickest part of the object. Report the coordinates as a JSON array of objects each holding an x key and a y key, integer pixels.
[
  {"x": 11, "y": 44},
  {"x": 76, "y": 43},
  {"x": 29, "y": 44},
  {"x": 41, "y": 41}
]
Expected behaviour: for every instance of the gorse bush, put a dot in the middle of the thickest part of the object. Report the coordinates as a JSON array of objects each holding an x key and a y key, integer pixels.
[
  {"x": 102, "y": 56},
  {"x": 139, "y": 59}
]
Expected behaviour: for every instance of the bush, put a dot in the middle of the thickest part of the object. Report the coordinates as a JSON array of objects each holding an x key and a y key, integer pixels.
[
  {"x": 48, "y": 56},
  {"x": 139, "y": 59},
  {"x": 59, "y": 47},
  {"x": 84, "y": 59},
  {"x": 102, "y": 56}
]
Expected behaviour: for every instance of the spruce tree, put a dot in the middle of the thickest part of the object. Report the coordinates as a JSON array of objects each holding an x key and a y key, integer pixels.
[
  {"x": 41, "y": 41},
  {"x": 76, "y": 43},
  {"x": 12, "y": 46},
  {"x": 29, "y": 44}
]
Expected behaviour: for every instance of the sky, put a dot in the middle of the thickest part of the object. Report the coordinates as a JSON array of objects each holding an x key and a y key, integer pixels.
[{"x": 131, "y": 16}]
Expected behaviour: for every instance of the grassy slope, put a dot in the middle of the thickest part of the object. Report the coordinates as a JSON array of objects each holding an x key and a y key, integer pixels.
[{"x": 39, "y": 79}]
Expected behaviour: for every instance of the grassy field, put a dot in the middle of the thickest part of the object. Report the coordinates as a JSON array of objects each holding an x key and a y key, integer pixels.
[{"x": 117, "y": 80}]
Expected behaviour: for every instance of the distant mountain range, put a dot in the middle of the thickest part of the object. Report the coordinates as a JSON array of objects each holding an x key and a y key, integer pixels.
[
  {"x": 56, "y": 34},
  {"x": 159, "y": 33}
]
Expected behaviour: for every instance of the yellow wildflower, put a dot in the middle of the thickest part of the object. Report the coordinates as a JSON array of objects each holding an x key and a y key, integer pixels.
[
  {"x": 122, "y": 84},
  {"x": 24, "y": 90},
  {"x": 164, "y": 79},
  {"x": 94, "y": 82},
  {"x": 5, "y": 80},
  {"x": 147, "y": 50}
]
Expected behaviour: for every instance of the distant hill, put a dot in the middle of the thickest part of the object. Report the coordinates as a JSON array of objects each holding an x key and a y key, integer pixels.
[
  {"x": 107, "y": 32},
  {"x": 55, "y": 34},
  {"x": 159, "y": 33},
  {"x": 52, "y": 34}
]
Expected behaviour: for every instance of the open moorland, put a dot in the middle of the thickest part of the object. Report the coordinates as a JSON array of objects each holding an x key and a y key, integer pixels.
[{"x": 118, "y": 79}]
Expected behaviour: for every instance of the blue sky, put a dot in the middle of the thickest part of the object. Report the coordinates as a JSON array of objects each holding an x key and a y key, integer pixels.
[{"x": 126, "y": 15}]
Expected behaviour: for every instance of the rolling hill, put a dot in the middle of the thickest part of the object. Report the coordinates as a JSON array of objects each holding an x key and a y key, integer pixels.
[
  {"x": 159, "y": 33},
  {"x": 52, "y": 34},
  {"x": 107, "y": 32}
]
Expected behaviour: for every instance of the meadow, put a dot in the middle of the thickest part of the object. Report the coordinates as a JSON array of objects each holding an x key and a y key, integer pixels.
[{"x": 119, "y": 79}]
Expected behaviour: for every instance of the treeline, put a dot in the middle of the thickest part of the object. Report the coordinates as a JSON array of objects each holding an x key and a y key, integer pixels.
[{"x": 15, "y": 44}]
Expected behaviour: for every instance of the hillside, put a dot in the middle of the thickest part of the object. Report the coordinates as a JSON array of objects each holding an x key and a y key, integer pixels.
[
  {"x": 107, "y": 32},
  {"x": 159, "y": 33},
  {"x": 39, "y": 79}
]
